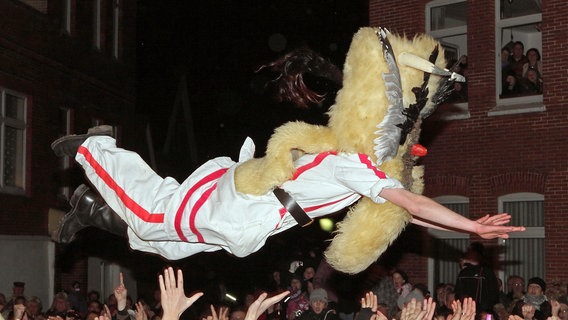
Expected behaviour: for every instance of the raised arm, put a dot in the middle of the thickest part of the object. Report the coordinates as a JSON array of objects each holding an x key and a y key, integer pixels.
[
  {"x": 428, "y": 212},
  {"x": 173, "y": 298}
]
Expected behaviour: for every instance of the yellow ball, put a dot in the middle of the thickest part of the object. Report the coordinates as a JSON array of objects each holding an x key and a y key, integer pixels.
[{"x": 326, "y": 224}]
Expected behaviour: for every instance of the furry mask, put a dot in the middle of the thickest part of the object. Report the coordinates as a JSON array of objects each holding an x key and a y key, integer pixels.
[{"x": 389, "y": 85}]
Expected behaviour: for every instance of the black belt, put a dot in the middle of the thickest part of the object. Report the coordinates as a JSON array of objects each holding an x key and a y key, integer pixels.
[{"x": 293, "y": 207}]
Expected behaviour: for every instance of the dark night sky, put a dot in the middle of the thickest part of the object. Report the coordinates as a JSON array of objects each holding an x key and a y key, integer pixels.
[{"x": 219, "y": 44}]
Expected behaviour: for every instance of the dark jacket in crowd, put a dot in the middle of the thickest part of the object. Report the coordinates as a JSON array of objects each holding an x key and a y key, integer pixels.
[{"x": 480, "y": 283}]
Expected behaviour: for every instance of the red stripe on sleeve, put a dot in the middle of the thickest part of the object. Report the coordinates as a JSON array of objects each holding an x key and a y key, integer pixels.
[
  {"x": 317, "y": 160},
  {"x": 128, "y": 202},
  {"x": 367, "y": 161}
]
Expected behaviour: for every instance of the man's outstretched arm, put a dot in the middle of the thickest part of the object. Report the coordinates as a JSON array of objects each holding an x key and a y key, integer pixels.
[{"x": 428, "y": 212}]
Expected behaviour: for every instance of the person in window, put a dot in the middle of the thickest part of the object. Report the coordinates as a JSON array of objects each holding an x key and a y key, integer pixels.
[
  {"x": 531, "y": 84},
  {"x": 511, "y": 86},
  {"x": 518, "y": 59},
  {"x": 534, "y": 62},
  {"x": 505, "y": 55}
]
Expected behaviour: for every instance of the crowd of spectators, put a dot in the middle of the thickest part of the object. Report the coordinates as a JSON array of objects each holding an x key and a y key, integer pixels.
[{"x": 300, "y": 294}]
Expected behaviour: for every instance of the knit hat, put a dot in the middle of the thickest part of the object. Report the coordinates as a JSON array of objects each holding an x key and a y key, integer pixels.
[
  {"x": 416, "y": 294},
  {"x": 318, "y": 295},
  {"x": 19, "y": 284},
  {"x": 538, "y": 281}
]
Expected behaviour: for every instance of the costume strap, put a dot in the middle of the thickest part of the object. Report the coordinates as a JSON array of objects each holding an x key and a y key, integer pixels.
[{"x": 293, "y": 207}]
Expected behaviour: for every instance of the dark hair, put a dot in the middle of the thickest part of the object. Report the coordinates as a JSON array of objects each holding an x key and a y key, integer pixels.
[
  {"x": 402, "y": 274},
  {"x": 535, "y": 50}
]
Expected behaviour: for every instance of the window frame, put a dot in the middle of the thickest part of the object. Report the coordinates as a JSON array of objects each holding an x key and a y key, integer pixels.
[
  {"x": 460, "y": 110},
  {"x": 514, "y": 105},
  {"x": 14, "y": 123},
  {"x": 529, "y": 233}
]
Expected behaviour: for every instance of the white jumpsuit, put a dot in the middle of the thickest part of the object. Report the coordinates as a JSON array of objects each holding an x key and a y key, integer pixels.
[{"x": 205, "y": 212}]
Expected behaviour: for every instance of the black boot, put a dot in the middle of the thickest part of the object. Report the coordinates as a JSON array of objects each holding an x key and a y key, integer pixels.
[
  {"x": 68, "y": 145},
  {"x": 88, "y": 210}
]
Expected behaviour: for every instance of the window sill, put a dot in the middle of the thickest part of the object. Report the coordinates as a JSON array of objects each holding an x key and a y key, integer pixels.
[
  {"x": 508, "y": 109},
  {"x": 452, "y": 111}
]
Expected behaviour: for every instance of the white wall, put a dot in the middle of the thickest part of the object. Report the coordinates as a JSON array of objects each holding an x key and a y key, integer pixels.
[{"x": 28, "y": 259}]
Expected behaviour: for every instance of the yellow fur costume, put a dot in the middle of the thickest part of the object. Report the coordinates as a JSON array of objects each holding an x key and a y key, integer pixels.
[{"x": 361, "y": 104}]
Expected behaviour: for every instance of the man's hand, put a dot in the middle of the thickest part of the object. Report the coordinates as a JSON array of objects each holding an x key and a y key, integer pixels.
[
  {"x": 262, "y": 303},
  {"x": 490, "y": 227},
  {"x": 19, "y": 310},
  {"x": 174, "y": 301},
  {"x": 140, "y": 312},
  {"x": 370, "y": 301},
  {"x": 120, "y": 294}
]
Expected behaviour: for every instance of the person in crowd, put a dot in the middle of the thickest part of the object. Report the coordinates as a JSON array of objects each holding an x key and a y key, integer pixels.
[
  {"x": 535, "y": 304},
  {"x": 59, "y": 306},
  {"x": 477, "y": 280},
  {"x": 121, "y": 294},
  {"x": 111, "y": 303},
  {"x": 415, "y": 294},
  {"x": 238, "y": 313},
  {"x": 94, "y": 295},
  {"x": 518, "y": 59},
  {"x": 562, "y": 308},
  {"x": 318, "y": 309},
  {"x": 515, "y": 291},
  {"x": 94, "y": 306},
  {"x": 298, "y": 301},
  {"x": 442, "y": 290},
  {"x": 401, "y": 282},
  {"x": 33, "y": 309},
  {"x": 387, "y": 295},
  {"x": 154, "y": 209},
  {"x": 18, "y": 289},
  {"x": 533, "y": 57},
  {"x": 531, "y": 84},
  {"x": 308, "y": 278},
  {"x": 77, "y": 299}
]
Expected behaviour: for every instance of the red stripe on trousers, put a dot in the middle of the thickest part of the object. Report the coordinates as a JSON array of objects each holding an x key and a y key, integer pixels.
[
  {"x": 128, "y": 202},
  {"x": 179, "y": 214}
]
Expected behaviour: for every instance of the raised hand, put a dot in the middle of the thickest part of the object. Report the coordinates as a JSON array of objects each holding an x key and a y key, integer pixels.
[
  {"x": 120, "y": 294},
  {"x": 140, "y": 312},
  {"x": 262, "y": 303},
  {"x": 370, "y": 301},
  {"x": 174, "y": 301}
]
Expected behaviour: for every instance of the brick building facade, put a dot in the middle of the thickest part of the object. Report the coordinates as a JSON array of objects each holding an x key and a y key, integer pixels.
[
  {"x": 498, "y": 147},
  {"x": 64, "y": 66}
]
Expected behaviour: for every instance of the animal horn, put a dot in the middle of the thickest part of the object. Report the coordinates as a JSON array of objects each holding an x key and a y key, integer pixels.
[{"x": 414, "y": 61}]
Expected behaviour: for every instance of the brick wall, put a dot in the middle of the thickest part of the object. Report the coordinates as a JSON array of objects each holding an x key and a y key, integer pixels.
[{"x": 484, "y": 157}]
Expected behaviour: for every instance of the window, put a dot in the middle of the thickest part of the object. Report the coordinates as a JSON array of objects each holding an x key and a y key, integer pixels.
[
  {"x": 66, "y": 16},
  {"x": 448, "y": 246},
  {"x": 97, "y": 24},
  {"x": 523, "y": 253},
  {"x": 12, "y": 141},
  {"x": 446, "y": 21},
  {"x": 115, "y": 27},
  {"x": 518, "y": 37}
]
